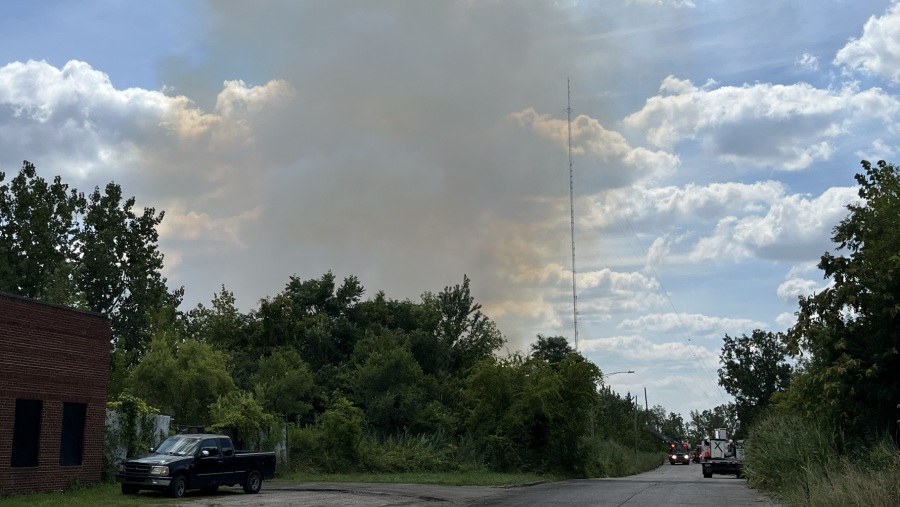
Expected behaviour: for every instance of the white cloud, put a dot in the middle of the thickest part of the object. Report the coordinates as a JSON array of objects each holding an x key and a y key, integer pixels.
[
  {"x": 878, "y": 50},
  {"x": 638, "y": 347},
  {"x": 78, "y": 121},
  {"x": 808, "y": 62},
  {"x": 791, "y": 289},
  {"x": 674, "y": 3},
  {"x": 879, "y": 151},
  {"x": 786, "y": 127},
  {"x": 696, "y": 324},
  {"x": 786, "y": 319},
  {"x": 793, "y": 228},
  {"x": 666, "y": 205}
]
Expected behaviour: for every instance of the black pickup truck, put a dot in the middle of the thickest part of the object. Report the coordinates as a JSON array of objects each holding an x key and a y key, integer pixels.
[{"x": 198, "y": 461}]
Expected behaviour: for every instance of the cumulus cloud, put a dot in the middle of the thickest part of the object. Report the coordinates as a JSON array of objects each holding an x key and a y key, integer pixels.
[
  {"x": 877, "y": 51},
  {"x": 793, "y": 288},
  {"x": 786, "y": 320},
  {"x": 638, "y": 347},
  {"x": 794, "y": 228},
  {"x": 662, "y": 206},
  {"x": 808, "y": 62},
  {"x": 696, "y": 324},
  {"x": 785, "y": 127},
  {"x": 79, "y": 123}
]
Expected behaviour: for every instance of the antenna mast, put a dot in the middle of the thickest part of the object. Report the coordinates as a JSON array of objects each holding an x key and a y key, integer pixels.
[{"x": 572, "y": 210}]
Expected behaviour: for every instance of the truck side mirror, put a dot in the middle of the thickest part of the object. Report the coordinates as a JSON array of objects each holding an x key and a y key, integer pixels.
[
  {"x": 204, "y": 453},
  {"x": 153, "y": 449}
]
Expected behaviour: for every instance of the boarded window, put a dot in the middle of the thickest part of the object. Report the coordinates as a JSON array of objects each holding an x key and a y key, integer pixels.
[
  {"x": 71, "y": 440},
  {"x": 26, "y": 433}
]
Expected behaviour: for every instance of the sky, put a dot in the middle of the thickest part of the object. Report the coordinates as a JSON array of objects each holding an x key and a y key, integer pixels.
[{"x": 409, "y": 143}]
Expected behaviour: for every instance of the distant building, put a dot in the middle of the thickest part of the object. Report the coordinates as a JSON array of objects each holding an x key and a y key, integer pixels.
[{"x": 54, "y": 364}]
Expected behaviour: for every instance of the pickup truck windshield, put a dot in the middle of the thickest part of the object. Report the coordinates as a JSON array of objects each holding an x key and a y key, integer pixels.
[{"x": 179, "y": 446}]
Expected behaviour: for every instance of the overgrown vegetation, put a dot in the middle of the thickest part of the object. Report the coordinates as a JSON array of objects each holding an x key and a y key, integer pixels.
[
  {"x": 827, "y": 435},
  {"x": 373, "y": 385}
]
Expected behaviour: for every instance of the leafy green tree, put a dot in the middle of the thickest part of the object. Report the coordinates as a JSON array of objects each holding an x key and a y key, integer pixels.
[
  {"x": 850, "y": 329},
  {"x": 703, "y": 423},
  {"x": 551, "y": 349},
  {"x": 463, "y": 335},
  {"x": 38, "y": 231},
  {"x": 119, "y": 270},
  {"x": 753, "y": 368},
  {"x": 342, "y": 426},
  {"x": 284, "y": 382},
  {"x": 527, "y": 413},
  {"x": 95, "y": 253},
  {"x": 389, "y": 386},
  {"x": 182, "y": 377},
  {"x": 256, "y": 428}
]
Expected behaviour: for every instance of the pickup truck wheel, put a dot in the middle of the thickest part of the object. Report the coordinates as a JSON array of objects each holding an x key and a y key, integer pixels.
[
  {"x": 253, "y": 483},
  {"x": 707, "y": 475},
  {"x": 130, "y": 489},
  {"x": 209, "y": 490},
  {"x": 177, "y": 487}
]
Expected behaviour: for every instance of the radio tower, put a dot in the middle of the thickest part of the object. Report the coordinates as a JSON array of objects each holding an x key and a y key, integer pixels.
[{"x": 572, "y": 210}]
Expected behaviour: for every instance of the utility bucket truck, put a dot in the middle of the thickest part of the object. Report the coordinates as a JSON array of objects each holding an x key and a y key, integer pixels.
[{"x": 722, "y": 456}]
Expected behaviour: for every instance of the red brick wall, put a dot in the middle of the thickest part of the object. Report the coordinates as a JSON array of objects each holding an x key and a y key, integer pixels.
[{"x": 57, "y": 355}]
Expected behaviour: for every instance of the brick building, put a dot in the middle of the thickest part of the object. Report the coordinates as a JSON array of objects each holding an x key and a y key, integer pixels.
[{"x": 53, "y": 377}]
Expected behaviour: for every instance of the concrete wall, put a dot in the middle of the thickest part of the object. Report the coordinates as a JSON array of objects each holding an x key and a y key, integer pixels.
[{"x": 57, "y": 355}]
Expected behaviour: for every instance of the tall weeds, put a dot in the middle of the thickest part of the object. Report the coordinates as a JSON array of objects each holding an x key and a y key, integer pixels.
[{"x": 798, "y": 462}]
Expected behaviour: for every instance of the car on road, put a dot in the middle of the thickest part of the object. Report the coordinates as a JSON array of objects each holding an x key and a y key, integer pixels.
[{"x": 196, "y": 461}]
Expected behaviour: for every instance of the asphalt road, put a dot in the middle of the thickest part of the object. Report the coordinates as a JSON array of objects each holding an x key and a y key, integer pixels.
[{"x": 668, "y": 485}]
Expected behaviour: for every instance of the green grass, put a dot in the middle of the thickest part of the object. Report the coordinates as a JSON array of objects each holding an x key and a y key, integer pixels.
[
  {"x": 462, "y": 478},
  {"x": 106, "y": 495}
]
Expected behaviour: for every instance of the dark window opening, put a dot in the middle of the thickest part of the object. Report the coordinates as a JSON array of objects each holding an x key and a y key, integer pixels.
[
  {"x": 71, "y": 441},
  {"x": 26, "y": 433}
]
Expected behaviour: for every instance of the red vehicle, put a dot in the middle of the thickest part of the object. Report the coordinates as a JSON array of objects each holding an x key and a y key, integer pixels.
[
  {"x": 697, "y": 454},
  {"x": 679, "y": 454}
]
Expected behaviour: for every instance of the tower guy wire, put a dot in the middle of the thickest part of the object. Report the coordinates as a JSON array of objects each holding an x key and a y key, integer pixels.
[{"x": 572, "y": 210}]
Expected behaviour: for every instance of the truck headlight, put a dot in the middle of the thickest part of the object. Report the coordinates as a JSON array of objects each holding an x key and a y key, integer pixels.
[
  {"x": 686, "y": 456},
  {"x": 159, "y": 471}
]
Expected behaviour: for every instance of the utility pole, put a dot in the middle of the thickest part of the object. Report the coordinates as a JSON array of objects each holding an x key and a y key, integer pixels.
[
  {"x": 572, "y": 210},
  {"x": 646, "y": 406},
  {"x": 635, "y": 424}
]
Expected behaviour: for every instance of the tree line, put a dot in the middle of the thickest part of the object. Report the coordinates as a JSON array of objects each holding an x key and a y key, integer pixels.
[{"x": 333, "y": 364}]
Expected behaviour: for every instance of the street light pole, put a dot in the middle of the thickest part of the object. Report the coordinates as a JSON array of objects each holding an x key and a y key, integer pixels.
[{"x": 635, "y": 416}]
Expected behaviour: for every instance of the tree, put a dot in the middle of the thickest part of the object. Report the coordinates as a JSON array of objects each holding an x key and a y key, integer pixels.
[
  {"x": 849, "y": 332},
  {"x": 95, "y": 253},
  {"x": 463, "y": 335},
  {"x": 702, "y": 424},
  {"x": 389, "y": 387},
  {"x": 38, "y": 237},
  {"x": 753, "y": 368},
  {"x": 119, "y": 269},
  {"x": 551, "y": 349},
  {"x": 182, "y": 377},
  {"x": 283, "y": 383}
]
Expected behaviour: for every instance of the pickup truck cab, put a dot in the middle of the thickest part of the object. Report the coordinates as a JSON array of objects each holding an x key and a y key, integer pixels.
[{"x": 197, "y": 461}]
